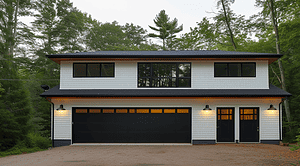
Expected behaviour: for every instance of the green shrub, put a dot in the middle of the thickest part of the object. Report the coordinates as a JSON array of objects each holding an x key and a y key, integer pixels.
[
  {"x": 295, "y": 147},
  {"x": 9, "y": 130},
  {"x": 36, "y": 140},
  {"x": 19, "y": 148}
]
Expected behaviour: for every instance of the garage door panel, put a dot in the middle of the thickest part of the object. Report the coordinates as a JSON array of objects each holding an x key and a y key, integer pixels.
[{"x": 158, "y": 127}]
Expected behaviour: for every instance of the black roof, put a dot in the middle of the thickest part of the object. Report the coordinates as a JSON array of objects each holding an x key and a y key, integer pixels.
[
  {"x": 273, "y": 91},
  {"x": 166, "y": 54}
]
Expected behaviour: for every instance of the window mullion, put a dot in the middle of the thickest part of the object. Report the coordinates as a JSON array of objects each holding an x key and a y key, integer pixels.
[
  {"x": 177, "y": 74},
  {"x": 86, "y": 73},
  {"x": 151, "y": 75},
  {"x": 242, "y": 70}
]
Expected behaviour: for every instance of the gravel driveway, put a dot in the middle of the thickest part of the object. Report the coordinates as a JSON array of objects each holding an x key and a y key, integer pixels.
[{"x": 154, "y": 155}]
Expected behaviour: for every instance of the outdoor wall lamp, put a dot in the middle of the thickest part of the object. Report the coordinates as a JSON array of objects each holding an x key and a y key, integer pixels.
[
  {"x": 61, "y": 107},
  {"x": 272, "y": 107},
  {"x": 207, "y": 108}
]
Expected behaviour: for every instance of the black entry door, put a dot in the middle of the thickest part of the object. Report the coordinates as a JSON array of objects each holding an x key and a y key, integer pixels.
[
  {"x": 249, "y": 125},
  {"x": 225, "y": 124},
  {"x": 131, "y": 125}
]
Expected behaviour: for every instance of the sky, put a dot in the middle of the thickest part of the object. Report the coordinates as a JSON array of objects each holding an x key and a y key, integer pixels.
[{"x": 142, "y": 12}]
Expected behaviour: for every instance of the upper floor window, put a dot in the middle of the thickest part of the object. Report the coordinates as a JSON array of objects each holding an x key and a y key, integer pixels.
[
  {"x": 235, "y": 69},
  {"x": 162, "y": 74},
  {"x": 93, "y": 70}
]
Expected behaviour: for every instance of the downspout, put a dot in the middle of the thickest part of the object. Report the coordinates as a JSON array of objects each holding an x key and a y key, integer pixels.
[
  {"x": 52, "y": 121},
  {"x": 280, "y": 139}
]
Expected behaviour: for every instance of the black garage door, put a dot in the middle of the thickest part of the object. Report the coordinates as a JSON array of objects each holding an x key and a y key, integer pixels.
[{"x": 131, "y": 125}]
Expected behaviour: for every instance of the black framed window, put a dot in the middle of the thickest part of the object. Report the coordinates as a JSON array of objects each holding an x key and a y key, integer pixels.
[
  {"x": 93, "y": 69},
  {"x": 235, "y": 69},
  {"x": 164, "y": 74}
]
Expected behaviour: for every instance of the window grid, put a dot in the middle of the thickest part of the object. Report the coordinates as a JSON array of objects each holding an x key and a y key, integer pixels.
[
  {"x": 86, "y": 73},
  {"x": 227, "y": 68},
  {"x": 151, "y": 77}
]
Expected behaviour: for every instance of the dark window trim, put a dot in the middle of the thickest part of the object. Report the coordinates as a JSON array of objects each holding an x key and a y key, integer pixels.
[
  {"x": 151, "y": 72},
  {"x": 235, "y": 63},
  {"x": 99, "y": 71}
]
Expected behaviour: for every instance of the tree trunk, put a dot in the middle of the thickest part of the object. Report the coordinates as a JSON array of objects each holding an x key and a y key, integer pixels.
[
  {"x": 228, "y": 25},
  {"x": 12, "y": 28},
  {"x": 270, "y": 4}
]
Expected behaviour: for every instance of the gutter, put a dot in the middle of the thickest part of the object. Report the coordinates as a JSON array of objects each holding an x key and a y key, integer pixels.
[{"x": 52, "y": 120}]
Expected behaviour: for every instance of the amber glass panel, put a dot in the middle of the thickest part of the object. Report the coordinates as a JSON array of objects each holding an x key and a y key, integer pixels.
[
  {"x": 185, "y": 111},
  {"x": 218, "y": 117},
  {"x": 95, "y": 111},
  {"x": 248, "y": 111},
  {"x": 225, "y": 111},
  {"x": 81, "y": 110},
  {"x": 255, "y": 116},
  {"x": 218, "y": 111},
  {"x": 224, "y": 117},
  {"x": 142, "y": 111},
  {"x": 241, "y": 111},
  {"x": 230, "y": 117},
  {"x": 132, "y": 111},
  {"x": 242, "y": 117},
  {"x": 108, "y": 110},
  {"x": 121, "y": 110},
  {"x": 169, "y": 110},
  {"x": 230, "y": 111},
  {"x": 248, "y": 117},
  {"x": 156, "y": 111},
  {"x": 255, "y": 110}
]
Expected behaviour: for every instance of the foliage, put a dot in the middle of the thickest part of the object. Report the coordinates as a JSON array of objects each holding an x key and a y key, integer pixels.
[
  {"x": 36, "y": 140},
  {"x": 295, "y": 147},
  {"x": 9, "y": 129},
  {"x": 166, "y": 28},
  {"x": 112, "y": 36},
  {"x": 32, "y": 143}
]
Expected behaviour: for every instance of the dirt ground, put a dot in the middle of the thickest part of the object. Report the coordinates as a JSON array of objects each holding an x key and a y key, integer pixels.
[{"x": 155, "y": 155}]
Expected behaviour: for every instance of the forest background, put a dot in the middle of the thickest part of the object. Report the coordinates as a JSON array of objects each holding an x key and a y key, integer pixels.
[{"x": 59, "y": 27}]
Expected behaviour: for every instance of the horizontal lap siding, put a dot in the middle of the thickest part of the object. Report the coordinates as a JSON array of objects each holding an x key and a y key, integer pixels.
[
  {"x": 125, "y": 78},
  {"x": 270, "y": 124},
  {"x": 202, "y": 77},
  {"x": 62, "y": 123}
]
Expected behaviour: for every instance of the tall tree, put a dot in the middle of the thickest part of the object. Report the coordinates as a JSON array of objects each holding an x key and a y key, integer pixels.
[
  {"x": 271, "y": 11},
  {"x": 227, "y": 20},
  {"x": 166, "y": 28},
  {"x": 14, "y": 101}
]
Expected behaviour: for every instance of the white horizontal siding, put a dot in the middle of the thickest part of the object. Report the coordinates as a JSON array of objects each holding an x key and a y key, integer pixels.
[
  {"x": 125, "y": 78},
  {"x": 203, "y": 123},
  {"x": 202, "y": 77},
  {"x": 62, "y": 122},
  {"x": 270, "y": 124}
]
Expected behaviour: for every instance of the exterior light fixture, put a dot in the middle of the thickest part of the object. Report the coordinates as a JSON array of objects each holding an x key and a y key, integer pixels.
[
  {"x": 272, "y": 107},
  {"x": 61, "y": 107},
  {"x": 45, "y": 87},
  {"x": 207, "y": 108}
]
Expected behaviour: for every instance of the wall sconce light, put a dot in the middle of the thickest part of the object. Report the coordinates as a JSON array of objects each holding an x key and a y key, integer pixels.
[
  {"x": 206, "y": 108},
  {"x": 272, "y": 107},
  {"x": 45, "y": 87},
  {"x": 61, "y": 107}
]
